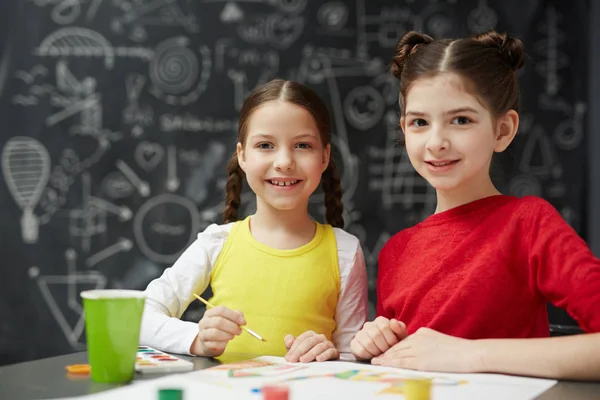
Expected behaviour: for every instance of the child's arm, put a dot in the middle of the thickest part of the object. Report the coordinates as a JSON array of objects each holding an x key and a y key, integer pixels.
[
  {"x": 168, "y": 297},
  {"x": 562, "y": 270},
  {"x": 570, "y": 357},
  {"x": 352, "y": 307}
]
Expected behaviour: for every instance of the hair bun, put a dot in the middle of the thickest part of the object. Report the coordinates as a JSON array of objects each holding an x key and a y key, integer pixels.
[
  {"x": 407, "y": 46},
  {"x": 511, "y": 49}
]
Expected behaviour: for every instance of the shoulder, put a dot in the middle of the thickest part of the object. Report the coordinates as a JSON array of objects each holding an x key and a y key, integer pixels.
[
  {"x": 214, "y": 234},
  {"x": 398, "y": 241},
  {"x": 532, "y": 209},
  {"x": 347, "y": 244}
]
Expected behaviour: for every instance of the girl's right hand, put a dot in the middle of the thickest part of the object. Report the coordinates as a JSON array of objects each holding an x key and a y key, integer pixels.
[
  {"x": 217, "y": 327},
  {"x": 377, "y": 337}
]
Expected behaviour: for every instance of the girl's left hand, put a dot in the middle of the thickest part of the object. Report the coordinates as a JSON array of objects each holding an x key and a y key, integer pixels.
[
  {"x": 308, "y": 347},
  {"x": 429, "y": 350}
]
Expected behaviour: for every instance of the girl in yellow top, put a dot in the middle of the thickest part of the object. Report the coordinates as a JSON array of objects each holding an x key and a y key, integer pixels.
[{"x": 300, "y": 284}]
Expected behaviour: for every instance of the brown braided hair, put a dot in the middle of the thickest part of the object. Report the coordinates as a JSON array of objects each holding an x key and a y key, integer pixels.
[{"x": 303, "y": 96}]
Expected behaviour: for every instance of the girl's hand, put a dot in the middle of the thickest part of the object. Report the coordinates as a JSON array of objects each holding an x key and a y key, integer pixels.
[
  {"x": 377, "y": 337},
  {"x": 217, "y": 327},
  {"x": 429, "y": 350},
  {"x": 308, "y": 347}
]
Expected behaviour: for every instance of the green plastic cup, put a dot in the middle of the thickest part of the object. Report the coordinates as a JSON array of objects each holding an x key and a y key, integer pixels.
[{"x": 112, "y": 327}]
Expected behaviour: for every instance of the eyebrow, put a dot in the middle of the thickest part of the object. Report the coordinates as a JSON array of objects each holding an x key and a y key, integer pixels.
[
  {"x": 271, "y": 137},
  {"x": 449, "y": 112}
]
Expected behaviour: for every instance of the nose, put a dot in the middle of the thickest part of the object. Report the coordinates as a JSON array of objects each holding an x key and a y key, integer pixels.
[
  {"x": 437, "y": 140},
  {"x": 284, "y": 161}
]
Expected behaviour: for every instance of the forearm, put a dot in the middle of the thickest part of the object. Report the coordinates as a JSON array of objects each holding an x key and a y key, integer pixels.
[
  {"x": 166, "y": 333},
  {"x": 574, "y": 357}
]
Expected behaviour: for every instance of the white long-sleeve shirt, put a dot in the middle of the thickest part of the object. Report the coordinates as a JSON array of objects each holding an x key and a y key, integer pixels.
[{"x": 168, "y": 296}]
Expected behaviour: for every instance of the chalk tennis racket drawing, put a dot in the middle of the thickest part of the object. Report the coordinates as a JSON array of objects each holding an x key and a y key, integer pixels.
[{"x": 26, "y": 169}]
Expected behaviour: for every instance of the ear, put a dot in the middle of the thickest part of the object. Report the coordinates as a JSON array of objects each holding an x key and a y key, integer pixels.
[
  {"x": 402, "y": 124},
  {"x": 506, "y": 129},
  {"x": 326, "y": 157},
  {"x": 241, "y": 156}
]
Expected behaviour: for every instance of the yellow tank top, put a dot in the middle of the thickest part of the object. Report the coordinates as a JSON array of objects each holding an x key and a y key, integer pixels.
[{"x": 279, "y": 291}]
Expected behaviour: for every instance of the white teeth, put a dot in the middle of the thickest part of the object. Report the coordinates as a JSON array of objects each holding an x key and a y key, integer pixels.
[
  {"x": 283, "y": 183},
  {"x": 442, "y": 164}
]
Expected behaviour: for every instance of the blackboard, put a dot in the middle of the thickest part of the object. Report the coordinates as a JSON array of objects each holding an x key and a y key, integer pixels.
[{"x": 118, "y": 117}]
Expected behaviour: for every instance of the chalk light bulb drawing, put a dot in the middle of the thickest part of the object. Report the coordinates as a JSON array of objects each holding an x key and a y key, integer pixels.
[{"x": 26, "y": 169}]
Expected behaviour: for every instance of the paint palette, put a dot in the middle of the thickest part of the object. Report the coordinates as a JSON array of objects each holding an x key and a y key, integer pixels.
[{"x": 149, "y": 360}]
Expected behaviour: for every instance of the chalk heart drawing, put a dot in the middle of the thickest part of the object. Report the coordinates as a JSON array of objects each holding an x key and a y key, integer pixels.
[
  {"x": 283, "y": 30},
  {"x": 149, "y": 155}
]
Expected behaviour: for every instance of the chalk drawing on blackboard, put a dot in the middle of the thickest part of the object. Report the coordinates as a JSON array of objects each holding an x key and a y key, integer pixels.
[
  {"x": 64, "y": 12},
  {"x": 140, "y": 14},
  {"x": 569, "y": 134},
  {"x": 538, "y": 156},
  {"x": 135, "y": 115},
  {"x": 482, "y": 18},
  {"x": 142, "y": 186},
  {"x": 149, "y": 155},
  {"x": 364, "y": 107},
  {"x": 438, "y": 20},
  {"x": 570, "y": 216},
  {"x": 392, "y": 174},
  {"x": 35, "y": 91},
  {"x": 172, "y": 178},
  {"x": 77, "y": 42},
  {"x": 165, "y": 226},
  {"x": 231, "y": 13},
  {"x": 30, "y": 76},
  {"x": 26, "y": 169},
  {"x": 525, "y": 185},
  {"x": 116, "y": 186},
  {"x": 553, "y": 59},
  {"x": 290, "y": 6},
  {"x": 231, "y": 56},
  {"x": 197, "y": 183},
  {"x": 72, "y": 310},
  {"x": 384, "y": 28},
  {"x": 93, "y": 9},
  {"x": 281, "y": 31},
  {"x": 122, "y": 244},
  {"x": 89, "y": 220},
  {"x": 240, "y": 84},
  {"x": 333, "y": 16},
  {"x": 5, "y": 64},
  {"x": 177, "y": 76}
]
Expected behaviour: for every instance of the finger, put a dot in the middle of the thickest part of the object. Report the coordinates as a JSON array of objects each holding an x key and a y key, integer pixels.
[
  {"x": 302, "y": 344},
  {"x": 232, "y": 315},
  {"x": 377, "y": 339},
  {"x": 399, "y": 328},
  {"x": 388, "y": 335},
  {"x": 329, "y": 354},
  {"x": 214, "y": 348},
  {"x": 367, "y": 343},
  {"x": 398, "y": 362},
  {"x": 359, "y": 351},
  {"x": 222, "y": 324},
  {"x": 214, "y": 335},
  {"x": 312, "y": 353},
  {"x": 288, "y": 340}
]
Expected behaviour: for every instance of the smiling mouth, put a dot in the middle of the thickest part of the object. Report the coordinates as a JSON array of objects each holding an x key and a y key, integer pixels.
[
  {"x": 442, "y": 163},
  {"x": 284, "y": 183}
]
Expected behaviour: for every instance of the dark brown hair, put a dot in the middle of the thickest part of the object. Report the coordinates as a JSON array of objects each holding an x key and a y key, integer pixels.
[
  {"x": 487, "y": 62},
  {"x": 306, "y": 98}
]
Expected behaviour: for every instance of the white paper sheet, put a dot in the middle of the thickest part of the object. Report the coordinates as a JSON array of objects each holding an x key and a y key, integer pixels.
[{"x": 354, "y": 381}]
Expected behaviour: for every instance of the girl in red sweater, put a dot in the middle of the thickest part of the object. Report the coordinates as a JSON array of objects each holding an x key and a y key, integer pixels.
[{"x": 466, "y": 289}]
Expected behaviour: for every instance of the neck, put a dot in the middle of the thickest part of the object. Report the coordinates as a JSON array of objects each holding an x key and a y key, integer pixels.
[
  {"x": 466, "y": 193},
  {"x": 269, "y": 218}
]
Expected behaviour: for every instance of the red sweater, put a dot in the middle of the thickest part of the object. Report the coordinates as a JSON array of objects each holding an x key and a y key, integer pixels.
[{"x": 486, "y": 270}]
